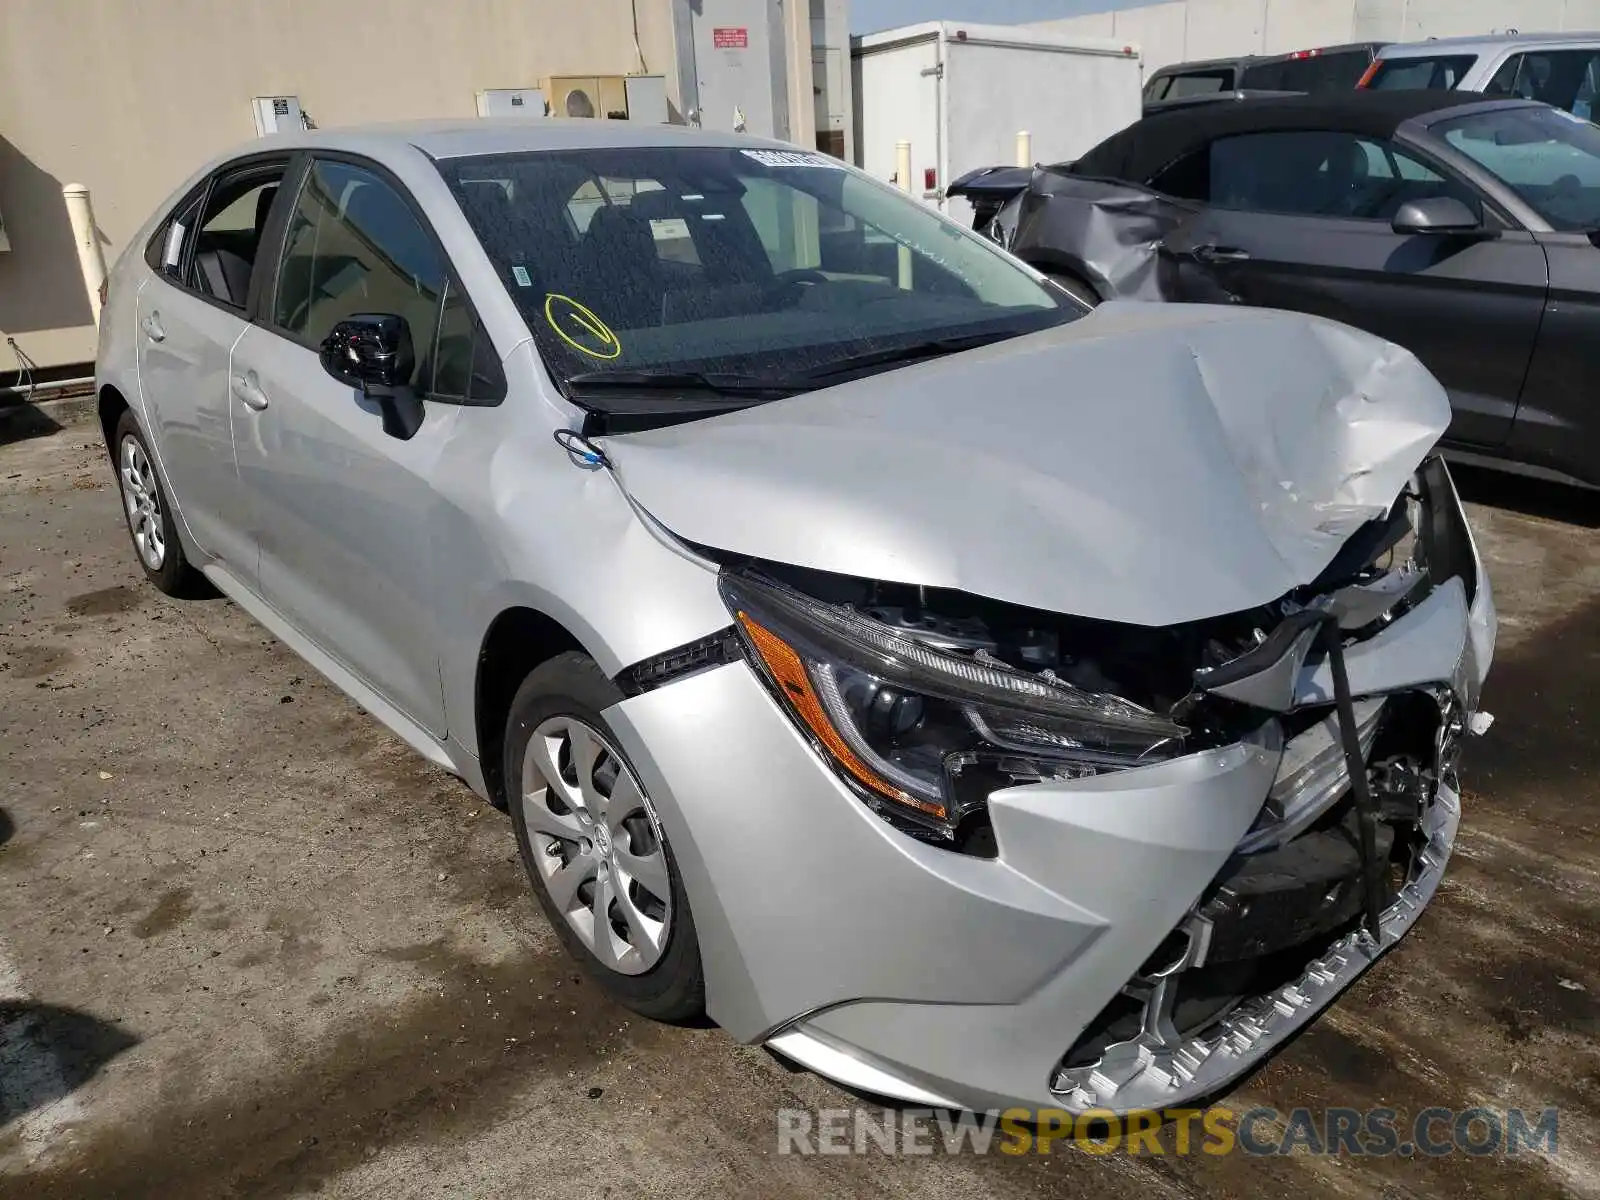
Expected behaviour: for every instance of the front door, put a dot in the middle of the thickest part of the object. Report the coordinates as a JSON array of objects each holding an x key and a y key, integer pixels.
[
  {"x": 1301, "y": 221},
  {"x": 344, "y": 513}
]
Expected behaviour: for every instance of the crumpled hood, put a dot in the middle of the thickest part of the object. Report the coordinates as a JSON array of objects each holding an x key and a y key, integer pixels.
[{"x": 1150, "y": 463}]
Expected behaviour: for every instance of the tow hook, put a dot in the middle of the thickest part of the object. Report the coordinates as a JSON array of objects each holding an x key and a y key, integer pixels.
[{"x": 581, "y": 450}]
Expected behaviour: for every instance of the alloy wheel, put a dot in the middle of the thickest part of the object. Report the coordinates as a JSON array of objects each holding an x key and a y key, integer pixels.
[
  {"x": 142, "y": 499},
  {"x": 597, "y": 844}
]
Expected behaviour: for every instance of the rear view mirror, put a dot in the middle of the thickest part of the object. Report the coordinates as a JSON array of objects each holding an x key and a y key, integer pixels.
[
  {"x": 1436, "y": 214},
  {"x": 370, "y": 351},
  {"x": 373, "y": 352}
]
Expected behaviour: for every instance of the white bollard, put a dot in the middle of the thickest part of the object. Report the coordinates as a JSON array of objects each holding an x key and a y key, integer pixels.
[
  {"x": 902, "y": 179},
  {"x": 1024, "y": 148},
  {"x": 91, "y": 260}
]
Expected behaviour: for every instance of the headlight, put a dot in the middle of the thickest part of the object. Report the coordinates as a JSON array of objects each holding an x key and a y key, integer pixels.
[{"x": 922, "y": 733}]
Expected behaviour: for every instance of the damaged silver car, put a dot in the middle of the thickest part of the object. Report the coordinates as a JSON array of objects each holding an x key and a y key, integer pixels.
[{"x": 978, "y": 702}]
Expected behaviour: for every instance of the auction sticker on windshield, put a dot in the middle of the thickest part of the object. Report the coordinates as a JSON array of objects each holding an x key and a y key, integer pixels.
[
  {"x": 791, "y": 158},
  {"x": 579, "y": 327}
]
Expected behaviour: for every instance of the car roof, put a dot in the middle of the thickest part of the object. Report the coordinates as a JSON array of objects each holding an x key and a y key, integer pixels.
[
  {"x": 1145, "y": 147},
  {"x": 1194, "y": 66},
  {"x": 462, "y": 137},
  {"x": 1483, "y": 45}
]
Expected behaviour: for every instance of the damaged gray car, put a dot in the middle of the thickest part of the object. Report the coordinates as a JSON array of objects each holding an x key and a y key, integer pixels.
[
  {"x": 1465, "y": 229},
  {"x": 978, "y": 702}
]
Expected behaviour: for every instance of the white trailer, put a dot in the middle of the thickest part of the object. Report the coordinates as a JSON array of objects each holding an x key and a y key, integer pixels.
[{"x": 961, "y": 93}]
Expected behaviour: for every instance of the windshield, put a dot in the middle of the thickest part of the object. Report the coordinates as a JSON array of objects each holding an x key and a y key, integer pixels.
[
  {"x": 1548, "y": 157},
  {"x": 1440, "y": 72},
  {"x": 658, "y": 265}
]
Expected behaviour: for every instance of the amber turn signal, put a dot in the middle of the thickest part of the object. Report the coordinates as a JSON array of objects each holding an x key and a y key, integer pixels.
[{"x": 789, "y": 673}]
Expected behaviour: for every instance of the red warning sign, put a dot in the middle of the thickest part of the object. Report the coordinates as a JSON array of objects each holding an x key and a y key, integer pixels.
[{"x": 732, "y": 38}]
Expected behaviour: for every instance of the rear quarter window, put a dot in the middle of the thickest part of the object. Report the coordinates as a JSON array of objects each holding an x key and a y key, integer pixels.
[
  {"x": 1443, "y": 72},
  {"x": 1200, "y": 83}
]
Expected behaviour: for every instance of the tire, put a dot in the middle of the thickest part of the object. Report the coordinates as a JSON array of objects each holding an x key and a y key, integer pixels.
[
  {"x": 1075, "y": 287},
  {"x": 647, "y": 956},
  {"x": 148, "y": 512}
]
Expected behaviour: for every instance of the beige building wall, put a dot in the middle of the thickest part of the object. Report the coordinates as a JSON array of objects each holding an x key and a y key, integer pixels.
[{"x": 130, "y": 96}]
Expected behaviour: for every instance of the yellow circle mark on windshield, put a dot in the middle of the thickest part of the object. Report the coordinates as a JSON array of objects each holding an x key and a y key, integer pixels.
[{"x": 579, "y": 327}]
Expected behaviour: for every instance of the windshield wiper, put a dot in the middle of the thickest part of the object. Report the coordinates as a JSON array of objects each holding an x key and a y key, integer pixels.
[
  {"x": 734, "y": 385},
  {"x": 721, "y": 383},
  {"x": 897, "y": 355}
]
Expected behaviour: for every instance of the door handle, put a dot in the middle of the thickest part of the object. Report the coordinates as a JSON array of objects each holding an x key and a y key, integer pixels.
[
  {"x": 249, "y": 391},
  {"x": 152, "y": 328},
  {"x": 1210, "y": 252}
]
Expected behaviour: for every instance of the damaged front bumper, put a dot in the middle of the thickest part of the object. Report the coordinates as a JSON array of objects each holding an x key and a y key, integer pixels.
[
  {"x": 1161, "y": 1066},
  {"x": 1095, "y": 961}
]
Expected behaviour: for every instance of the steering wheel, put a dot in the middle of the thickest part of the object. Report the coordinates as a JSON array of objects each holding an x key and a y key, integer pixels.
[{"x": 789, "y": 283}]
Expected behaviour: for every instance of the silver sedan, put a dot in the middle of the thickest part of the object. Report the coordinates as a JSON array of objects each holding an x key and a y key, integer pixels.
[{"x": 980, "y": 702}]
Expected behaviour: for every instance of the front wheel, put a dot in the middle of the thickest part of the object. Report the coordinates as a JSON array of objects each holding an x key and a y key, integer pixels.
[{"x": 593, "y": 846}]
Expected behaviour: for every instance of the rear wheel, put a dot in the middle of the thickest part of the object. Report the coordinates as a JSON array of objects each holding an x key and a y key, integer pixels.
[
  {"x": 151, "y": 523},
  {"x": 593, "y": 846}
]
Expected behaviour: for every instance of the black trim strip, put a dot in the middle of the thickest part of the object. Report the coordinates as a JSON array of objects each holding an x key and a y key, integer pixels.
[{"x": 672, "y": 665}]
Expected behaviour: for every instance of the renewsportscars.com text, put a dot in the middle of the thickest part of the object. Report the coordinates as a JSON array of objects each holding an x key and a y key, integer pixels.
[{"x": 1218, "y": 1130}]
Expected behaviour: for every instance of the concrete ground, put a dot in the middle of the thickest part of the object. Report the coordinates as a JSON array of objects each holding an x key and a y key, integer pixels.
[{"x": 252, "y": 946}]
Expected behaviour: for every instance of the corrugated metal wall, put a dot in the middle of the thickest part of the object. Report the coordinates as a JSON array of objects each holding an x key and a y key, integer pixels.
[{"x": 1188, "y": 29}]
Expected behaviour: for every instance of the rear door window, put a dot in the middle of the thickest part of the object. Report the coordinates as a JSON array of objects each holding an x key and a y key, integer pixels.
[
  {"x": 208, "y": 245},
  {"x": 230, "y": 231},
  {"x": 1565, "y": 79}
]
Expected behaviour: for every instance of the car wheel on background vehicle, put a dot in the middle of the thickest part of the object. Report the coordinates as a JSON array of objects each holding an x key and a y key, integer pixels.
[
  {"x": 151, "y": 523},
  {"x": 593, "y": 846},
  {"x": 1074, "y": 287}
]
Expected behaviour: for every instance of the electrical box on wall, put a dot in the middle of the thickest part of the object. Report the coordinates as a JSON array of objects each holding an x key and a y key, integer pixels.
[
  {"x": 617, "y": 97},
  {"x": 278, "y": 114},
  {"x": 647, "y": 98},
  {"x": 511, "y": 102}
]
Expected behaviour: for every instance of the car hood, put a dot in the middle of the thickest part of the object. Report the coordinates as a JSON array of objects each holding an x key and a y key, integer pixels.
[{"x": 1149, "y": 463}]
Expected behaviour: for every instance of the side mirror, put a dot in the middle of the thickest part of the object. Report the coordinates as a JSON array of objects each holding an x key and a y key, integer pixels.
[
  {"x": 1436, "y": 214},
  {"x": 370, "y": 351},
  {"x": 373, "y": 352}
]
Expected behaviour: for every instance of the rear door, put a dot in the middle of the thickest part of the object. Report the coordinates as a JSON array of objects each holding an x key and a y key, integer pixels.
[
  {"x": 1301, "y": 220},
  {"x": 190, "y": 315}
]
